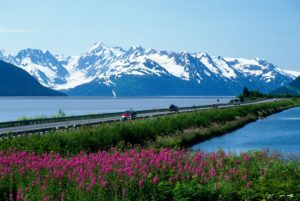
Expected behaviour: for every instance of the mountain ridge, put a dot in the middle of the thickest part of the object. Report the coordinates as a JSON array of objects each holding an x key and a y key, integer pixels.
[{"x": 117, "y": 69}]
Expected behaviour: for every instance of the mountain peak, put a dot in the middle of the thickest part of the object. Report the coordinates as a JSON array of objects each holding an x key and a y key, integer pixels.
[
  {"x": 201, "y": 54},
  {"x": 136, "y": 49},
  {"x": 184, "y": 53},
  {"x": 36, "y": 55},
  {"x": 3, "y": 54},
  {"x": 30, "y": 52},
  {"x": 98, "y": 46},
  {"x": 258, "y": 59}
]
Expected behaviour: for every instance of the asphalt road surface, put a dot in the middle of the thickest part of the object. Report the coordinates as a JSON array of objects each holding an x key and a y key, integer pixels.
[{"x": 36, "y": 128}]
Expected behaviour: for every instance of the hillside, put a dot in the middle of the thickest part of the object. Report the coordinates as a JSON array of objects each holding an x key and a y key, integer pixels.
[
  {"x": 16, "y": 82},
  {"x": 292, "y": 88}
]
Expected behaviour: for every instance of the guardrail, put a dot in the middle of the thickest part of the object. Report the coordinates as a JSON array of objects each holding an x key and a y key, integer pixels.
[
  {"x": 83, "y": 117},
  {"x": 95, "y": 116},
  {"x": 46, "y": 130},
  {"x": 55, "y": 119}
]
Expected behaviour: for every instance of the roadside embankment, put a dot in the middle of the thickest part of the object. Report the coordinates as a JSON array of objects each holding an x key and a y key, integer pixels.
[
  {"x": 174, "y": 130},
  {"x": 195, "y": 135}
]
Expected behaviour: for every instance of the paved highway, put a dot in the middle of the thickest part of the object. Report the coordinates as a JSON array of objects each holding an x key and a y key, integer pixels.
[{"x": 36, "y": 128}]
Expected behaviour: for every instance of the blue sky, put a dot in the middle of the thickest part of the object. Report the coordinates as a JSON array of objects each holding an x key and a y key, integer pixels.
[{"x": 258, "y": 28}]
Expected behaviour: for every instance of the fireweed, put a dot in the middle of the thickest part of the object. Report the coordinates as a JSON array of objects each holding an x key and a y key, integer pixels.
[{"x": 141, "y": 174}]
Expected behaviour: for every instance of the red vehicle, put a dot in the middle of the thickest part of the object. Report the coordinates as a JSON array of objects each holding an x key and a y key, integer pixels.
[{"x": 129, "y": 115}]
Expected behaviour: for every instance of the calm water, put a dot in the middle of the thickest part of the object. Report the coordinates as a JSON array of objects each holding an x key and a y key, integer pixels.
[
  {"x": 13, "y": 107},
  {"x": 278, "y": 132}
]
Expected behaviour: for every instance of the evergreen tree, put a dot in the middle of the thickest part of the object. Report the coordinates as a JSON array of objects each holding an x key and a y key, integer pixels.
[{"x": 246, "y": 93}]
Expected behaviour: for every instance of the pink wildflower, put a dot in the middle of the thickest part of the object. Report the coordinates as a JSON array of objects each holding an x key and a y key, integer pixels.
[
  {"x": 124, "y": 193},
  {"x": 249, "y": 184},
  {"x": 88, "y": 188},
  {"x": 212, "y": 172},
  {"x": 46, "y": 198},
  {"x": 155, "y": 179},
  {"x": 140, "y": 183},
  {"x": 62, "y": 198}
]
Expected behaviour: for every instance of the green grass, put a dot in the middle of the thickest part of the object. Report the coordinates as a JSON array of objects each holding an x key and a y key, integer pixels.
[
  {"x": 59, "y": 114},
  {"x": 141, "y": 132}
]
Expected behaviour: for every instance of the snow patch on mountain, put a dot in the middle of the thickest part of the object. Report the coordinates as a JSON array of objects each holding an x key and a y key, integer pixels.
[
  {"x": 170, "y": 65},
  {"x": 225, "y": 69},
  {"x": 244, "y": 62},
  {"x": 43, "y": 73},
  {"x": 208, "y": 62},
  {"x": 75, "y": 77},
  {"x": 290, "y": 73}
]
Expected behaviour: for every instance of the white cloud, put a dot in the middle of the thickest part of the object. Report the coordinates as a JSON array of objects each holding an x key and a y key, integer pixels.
[{"x": 14, "y": 30}]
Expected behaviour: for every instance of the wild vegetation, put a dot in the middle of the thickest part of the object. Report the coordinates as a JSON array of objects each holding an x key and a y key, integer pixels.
[
  {"x": 59, "y": 114},
  {"x": 164, "y": 174},
  {"x": 250, "y": 95},
  {"x": 82, "y": 165}
]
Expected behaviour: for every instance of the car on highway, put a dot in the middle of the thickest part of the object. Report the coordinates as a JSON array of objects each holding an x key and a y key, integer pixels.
[
  {"x": 128, "y": 115},
  {"x": 214, "y": 105},
  {"x": 173, "y": 108},
  {"x": 236, "y": 101}
]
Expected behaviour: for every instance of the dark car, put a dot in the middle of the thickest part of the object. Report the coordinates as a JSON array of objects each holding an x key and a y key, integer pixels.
[
  {"x": 173, "y": 108},
  {"x": 129, "y": 115},
  {"x": 214, "y": 105},
  {"x": 236, "y": 101}
]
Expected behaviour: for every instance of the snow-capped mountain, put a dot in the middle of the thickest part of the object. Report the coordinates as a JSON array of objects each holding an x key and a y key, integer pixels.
[
  {"x": 103, "y": 70},
  {"x": 3, "y": 54},
  {"x": 40, "y": 64}
]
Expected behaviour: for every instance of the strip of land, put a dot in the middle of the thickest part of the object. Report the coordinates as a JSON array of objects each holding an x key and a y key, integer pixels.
[
  {"x": 181, "y": 129},
  {"x": 68, "y": 124}
]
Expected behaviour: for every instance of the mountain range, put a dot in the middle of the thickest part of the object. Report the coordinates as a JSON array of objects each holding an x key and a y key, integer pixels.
[{"x": 114, "y": 71}]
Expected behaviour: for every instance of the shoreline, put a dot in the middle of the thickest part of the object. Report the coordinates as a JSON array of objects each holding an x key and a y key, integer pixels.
[{"x": 194, "y": 136}]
